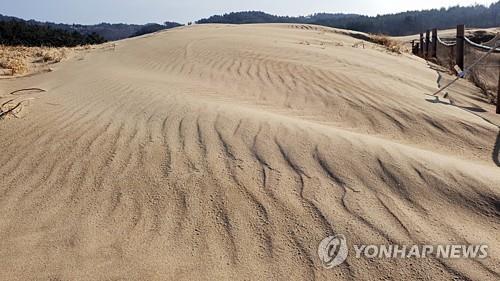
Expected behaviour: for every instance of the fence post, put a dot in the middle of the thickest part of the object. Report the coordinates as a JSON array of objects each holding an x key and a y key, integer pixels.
[
  {"x": 498, "y": 92},
  {"x": 460, "y": 46},
  {"x": 421, "y": 51},
  {"x": 434, "y": 42},
  {"x": 427, "y": 43}
]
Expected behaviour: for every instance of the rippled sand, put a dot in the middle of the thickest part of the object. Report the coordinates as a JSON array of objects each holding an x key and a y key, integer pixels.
[{"x": 220, "y": 152}]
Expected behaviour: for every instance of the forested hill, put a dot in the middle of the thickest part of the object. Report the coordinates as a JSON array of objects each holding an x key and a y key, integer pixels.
[
  {"x": 261, "y": 17},
  {"x": 110, "y": 32},
  {"x": 15, "y": 31},
  {"x": 405, "y": 23},
  {"x": 20, "y": 33}
]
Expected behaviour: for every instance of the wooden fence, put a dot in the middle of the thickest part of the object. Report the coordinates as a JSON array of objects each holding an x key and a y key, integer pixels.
[{"x": 462, "y": 52}]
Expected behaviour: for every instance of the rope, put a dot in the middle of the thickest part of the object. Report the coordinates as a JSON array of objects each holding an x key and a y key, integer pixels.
[{"x": 468, "y": 69}]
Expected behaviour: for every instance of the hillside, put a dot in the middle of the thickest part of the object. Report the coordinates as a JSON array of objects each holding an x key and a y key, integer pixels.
[
  {"x": 228, "y": 152},
  {"x": 109, "y": 32},
  {"x": 399, "y": 24},
  {"x": 18, "y": 33}
]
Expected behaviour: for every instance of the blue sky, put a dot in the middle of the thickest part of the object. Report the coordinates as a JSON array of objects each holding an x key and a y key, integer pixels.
[{"x": 134, "y": 11}]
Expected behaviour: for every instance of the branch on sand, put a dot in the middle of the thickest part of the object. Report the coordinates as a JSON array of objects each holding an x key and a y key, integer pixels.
[{"x": 11, "y": 109}]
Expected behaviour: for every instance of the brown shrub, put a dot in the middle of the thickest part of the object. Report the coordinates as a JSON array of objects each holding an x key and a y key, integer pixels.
[
  {"x": 21, "y": 59},
  {"x": 53, "y": 55},
  {"x": 390, "y": 44},
  {"x": 14, "y": 58}
]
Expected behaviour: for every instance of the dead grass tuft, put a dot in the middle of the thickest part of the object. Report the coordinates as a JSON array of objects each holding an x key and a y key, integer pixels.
[
  {"x": 53, "y": 55},
  {"x": 390, "y": 44},
  {"x": 14, "y": 59},
  {"x": 20, "y": 60}
]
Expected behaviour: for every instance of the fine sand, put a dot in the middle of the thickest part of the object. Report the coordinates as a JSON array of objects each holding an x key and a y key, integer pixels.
[{"x": 219, "y": 152}]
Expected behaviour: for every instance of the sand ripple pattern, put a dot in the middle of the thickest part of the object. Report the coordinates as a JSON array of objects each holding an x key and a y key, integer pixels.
[{"x": 230, "y": 152}]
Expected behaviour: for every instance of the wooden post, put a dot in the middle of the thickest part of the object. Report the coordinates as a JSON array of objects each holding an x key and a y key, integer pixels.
[
  {"x": 427, "y": 43},
  {"x": 460, "y": 46},
  {"x": 498, "y": 92},
  {"x": 434, "y": 42},
  {"x": 421, "y": 51}
]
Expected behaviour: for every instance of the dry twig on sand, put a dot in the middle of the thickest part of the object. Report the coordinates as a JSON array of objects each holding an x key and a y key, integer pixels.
[{"x": 10, "y": 105}]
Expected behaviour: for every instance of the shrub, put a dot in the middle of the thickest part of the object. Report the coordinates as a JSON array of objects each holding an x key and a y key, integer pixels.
[
  {"x": 390, "y": 44},
  {"x": 18, "y": 59}
]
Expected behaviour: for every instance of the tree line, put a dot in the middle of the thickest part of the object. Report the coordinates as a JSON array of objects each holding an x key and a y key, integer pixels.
[
  {"x": 399, "y": 24},
  {"x": 154, "y": 27},
  {"x": 15, "y": 31},
  {"x": 20, "y": 33}
]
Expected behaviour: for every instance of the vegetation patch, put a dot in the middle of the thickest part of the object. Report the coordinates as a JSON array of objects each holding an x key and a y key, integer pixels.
[
  {"x": 390, "y": 44},
  {"x": 17, "y": 60},
  {"x": 20, "y": 33}
]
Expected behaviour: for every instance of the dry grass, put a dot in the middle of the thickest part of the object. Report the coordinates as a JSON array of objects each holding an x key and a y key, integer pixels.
[
  {"x": 52, "y": 55},
  {"x": 13, "y": 58},
  {"x": 20, "y": 60},
  {"x": 488, "y": 89},
  {"x": 390, "y": 44}
]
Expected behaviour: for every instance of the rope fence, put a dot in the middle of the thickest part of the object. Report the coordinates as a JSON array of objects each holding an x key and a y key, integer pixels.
[{"x": 477, "y": 62}]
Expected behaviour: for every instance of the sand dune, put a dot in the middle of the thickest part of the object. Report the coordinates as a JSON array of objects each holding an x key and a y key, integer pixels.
[{"x": 229, "y": 152}]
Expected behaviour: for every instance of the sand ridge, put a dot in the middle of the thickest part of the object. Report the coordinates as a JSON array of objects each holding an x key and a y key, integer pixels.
[{"x": 229, "y": 152}]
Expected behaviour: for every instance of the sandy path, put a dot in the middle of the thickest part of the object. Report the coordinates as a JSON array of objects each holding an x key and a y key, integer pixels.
[{"x": 230, "y": 152}]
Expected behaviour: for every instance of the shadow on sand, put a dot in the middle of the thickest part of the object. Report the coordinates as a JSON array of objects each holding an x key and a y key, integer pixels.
[
  {"x": 474, "y": 110},
  {"x": 435, "y": 99},
  {"x": 496, "y": 151}
]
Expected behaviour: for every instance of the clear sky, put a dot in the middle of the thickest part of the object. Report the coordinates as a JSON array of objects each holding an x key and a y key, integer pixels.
[{"x": 144, "y": 11}]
